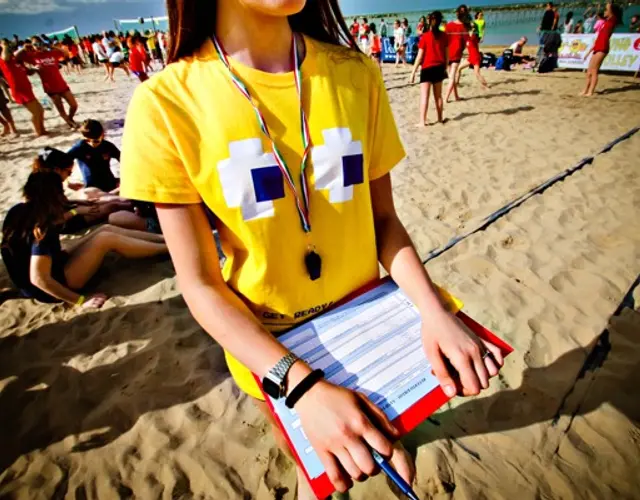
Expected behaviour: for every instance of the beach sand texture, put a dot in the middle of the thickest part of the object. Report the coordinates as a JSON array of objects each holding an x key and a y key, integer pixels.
[{"x": 134, "y": 400}]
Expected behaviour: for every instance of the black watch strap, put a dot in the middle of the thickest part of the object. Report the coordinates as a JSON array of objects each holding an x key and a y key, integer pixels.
[{"x": 301, "y": 389}]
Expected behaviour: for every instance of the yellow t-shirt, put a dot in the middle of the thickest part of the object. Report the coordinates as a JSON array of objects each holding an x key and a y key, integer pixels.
[{"x": 191, "y": 137}]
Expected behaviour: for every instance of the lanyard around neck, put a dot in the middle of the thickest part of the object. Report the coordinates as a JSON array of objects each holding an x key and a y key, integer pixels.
[{"x": 302, "y": 200}]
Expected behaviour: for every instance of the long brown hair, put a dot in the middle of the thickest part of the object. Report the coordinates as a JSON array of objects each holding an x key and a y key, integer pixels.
[
  {"x": 44, "y": 207},
  {"x": 191, "y": 22}
]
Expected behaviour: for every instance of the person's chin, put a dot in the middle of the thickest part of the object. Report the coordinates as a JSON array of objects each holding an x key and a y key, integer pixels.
[{"x": 277, "y": 8}]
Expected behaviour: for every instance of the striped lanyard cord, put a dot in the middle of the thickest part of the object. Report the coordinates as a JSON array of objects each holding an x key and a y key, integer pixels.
[{"x": 302, "y": 202}]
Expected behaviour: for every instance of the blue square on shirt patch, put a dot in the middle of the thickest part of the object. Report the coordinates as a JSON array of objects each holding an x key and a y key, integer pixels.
[
  {"x": 268, "y": 183},
  {"x": 353, "y": 169}
]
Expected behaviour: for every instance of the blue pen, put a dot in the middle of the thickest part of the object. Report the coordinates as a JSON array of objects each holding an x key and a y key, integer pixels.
[{"x": 393, "y": 475}]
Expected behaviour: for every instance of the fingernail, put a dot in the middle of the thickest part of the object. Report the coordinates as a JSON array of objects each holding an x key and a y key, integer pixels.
[{"x": 449, "y": 390}]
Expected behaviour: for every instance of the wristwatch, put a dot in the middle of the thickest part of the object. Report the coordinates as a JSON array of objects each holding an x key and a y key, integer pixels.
[{"x": 274, "y": 382}]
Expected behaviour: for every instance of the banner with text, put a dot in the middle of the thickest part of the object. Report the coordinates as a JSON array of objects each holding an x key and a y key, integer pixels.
[{"x": 624, "y": 52}]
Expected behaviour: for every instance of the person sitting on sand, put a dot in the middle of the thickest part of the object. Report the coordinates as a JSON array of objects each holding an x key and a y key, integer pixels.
[
  {"x": 195, "y": 139},
  {"x": 46, "y": 60},
  {"x": 92, "y": 208},
  {"x": 20, "y": 85},
  {"x": 517, "y": 48},
  {"x": 33, "y": 255},
  {"x": 600, "y": 48},
  {"x": 432, "y": 59},
  {"x": 94, "y": 154}
]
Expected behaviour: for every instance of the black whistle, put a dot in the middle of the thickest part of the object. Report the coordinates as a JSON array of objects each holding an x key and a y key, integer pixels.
[{"x": 313, "y": 263}]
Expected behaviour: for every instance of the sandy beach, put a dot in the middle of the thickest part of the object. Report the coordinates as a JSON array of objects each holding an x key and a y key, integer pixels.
[{"x": 135, "y": 401}]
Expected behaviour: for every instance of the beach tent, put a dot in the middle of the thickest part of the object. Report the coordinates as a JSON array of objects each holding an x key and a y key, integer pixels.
[
  {"x": 142, "y": 24},
  {"x": 71, "y": 31}
]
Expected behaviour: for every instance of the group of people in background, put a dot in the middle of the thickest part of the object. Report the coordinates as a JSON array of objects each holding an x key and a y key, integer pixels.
[
  {"x": 51, "y": 58},
  {"x": 440, "y": 56},
  {"x": 31, "y": 247}
]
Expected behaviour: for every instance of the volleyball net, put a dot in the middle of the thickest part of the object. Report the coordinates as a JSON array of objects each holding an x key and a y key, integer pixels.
[{"x": 142, "y": 24}]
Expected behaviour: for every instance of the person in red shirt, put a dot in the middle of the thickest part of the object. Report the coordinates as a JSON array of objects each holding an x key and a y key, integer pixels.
[
  {"x": 432, "y": 58},
  {"x": 138, "y": 57},
  {"x": 457, "y": 34},
  {"x": 21, "y": 90},
  {"x": 375, "y": 44},
  {"x": 600, "y": 49},
  {"x": 74, "y": 51},
  {"x": 46, "y": 61},
  {"x": 475, "y": 56},
  {"x": 88, "y": 49},
  {"x": 355, "y": 30}
]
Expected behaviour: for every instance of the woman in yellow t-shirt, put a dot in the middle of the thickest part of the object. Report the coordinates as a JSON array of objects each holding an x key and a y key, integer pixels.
[{"x": 286, "y": 135}]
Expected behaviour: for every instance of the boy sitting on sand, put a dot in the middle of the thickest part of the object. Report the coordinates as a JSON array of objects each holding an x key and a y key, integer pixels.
[{"x": 93, "y": 155}]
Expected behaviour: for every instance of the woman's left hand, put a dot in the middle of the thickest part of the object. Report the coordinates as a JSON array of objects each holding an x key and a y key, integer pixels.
[{"x": 450, "y": 345}]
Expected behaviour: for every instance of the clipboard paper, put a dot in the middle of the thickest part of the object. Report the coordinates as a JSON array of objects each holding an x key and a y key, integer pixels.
[{"x": 370, "y": 342}]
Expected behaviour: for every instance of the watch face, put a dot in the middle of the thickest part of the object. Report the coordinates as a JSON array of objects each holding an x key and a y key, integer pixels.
[{"x": 271, "y": 388}]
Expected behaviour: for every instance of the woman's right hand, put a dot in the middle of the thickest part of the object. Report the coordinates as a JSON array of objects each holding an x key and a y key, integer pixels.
[
  {"x": 95, "y": 301},
  {"x": 412, "y": 78},
  {"x": 342, "y": 425}
]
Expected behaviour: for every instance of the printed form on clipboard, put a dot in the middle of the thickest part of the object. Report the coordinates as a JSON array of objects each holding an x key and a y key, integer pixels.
[{"x": 371, "y": 344}]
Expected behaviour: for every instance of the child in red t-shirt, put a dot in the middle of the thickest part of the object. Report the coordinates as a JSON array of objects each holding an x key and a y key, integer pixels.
[
  {"x": 21, "y": 90},
  {"x": 375, "y": 44},
  {"x": 138, "y": 58},
  {"x": 474, "y": 59},
  {"x": 46, "y": 60},
  {"x": 432, "y": 58},
  {"x": 600, "y": 49},
  {"x": 457, "y": 34}
]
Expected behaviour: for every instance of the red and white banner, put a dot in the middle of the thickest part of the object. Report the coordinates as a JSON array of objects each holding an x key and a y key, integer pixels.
[{"x": 624, "y": 52}]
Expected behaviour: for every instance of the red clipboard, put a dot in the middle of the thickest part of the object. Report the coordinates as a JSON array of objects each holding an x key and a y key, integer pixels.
[{"x": 412, "y": 417}]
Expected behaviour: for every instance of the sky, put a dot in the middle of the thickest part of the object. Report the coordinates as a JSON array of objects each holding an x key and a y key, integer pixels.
[{"x": 25, "y": 17}]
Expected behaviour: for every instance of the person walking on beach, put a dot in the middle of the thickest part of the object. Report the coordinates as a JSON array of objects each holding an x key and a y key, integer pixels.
[
  {"x": 21, "y": 89},
  {"x": 364, "y": 36},
  {"x": 457, "y": 34},
  {"x": 138, "y": 58},
  {"x": 376, "y": 45},
  {"x": 600, "y": 48},
  {"x": 334, "y": 226},
  {"x": 46, "y": 60},
  {"x": 474, "y": 58},
  {"x": 33, "y": 255},
  {"x": 117, "y": 60},
  {"x": 399, "y": 44},
  {"x": 432, "y": 59},
  {"x": 101, "y": 56}
]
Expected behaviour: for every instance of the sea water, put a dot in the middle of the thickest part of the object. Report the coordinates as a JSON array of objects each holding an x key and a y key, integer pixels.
[{"x": 503, "y": 27}]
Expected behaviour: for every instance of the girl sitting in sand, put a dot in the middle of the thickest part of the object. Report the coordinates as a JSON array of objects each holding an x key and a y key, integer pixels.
[
  {"x": 600, "y": 48},
  {"x": 291, "y": 244},
  {"x": 32, "y": 252},
  {"x": 432, "y": 58},
  {"x": 84, "y": 213}
]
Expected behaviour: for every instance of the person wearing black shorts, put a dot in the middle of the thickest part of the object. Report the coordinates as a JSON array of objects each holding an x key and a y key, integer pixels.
[{"x": 432, "y": 59}]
